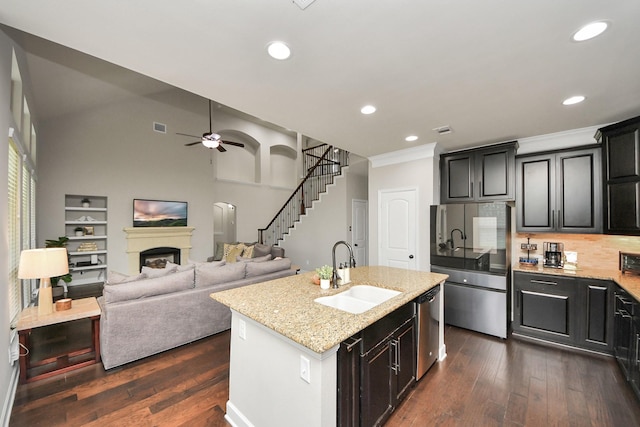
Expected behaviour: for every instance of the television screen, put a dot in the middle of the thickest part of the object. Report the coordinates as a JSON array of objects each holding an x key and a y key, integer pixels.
[{"x": 159, "y": 213}]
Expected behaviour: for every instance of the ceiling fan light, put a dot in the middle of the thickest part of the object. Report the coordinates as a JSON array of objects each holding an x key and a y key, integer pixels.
[{"x": 210, "y": 143}]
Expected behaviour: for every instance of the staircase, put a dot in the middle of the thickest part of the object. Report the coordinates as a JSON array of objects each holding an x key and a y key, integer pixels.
[{"x": 322, "y": 163}]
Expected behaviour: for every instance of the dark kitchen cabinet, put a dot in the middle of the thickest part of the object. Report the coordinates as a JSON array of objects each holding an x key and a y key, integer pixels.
[
  {"x": 559, "y": 191},
  {"x": 621, "y": 164},
  {"x": 376, "y": 369},
  {"x": 627, "y": 338},
  {"x": 566, "y": 310},
  {"x": 483, "y": 174},
  {"x": 546, "y": 307}
]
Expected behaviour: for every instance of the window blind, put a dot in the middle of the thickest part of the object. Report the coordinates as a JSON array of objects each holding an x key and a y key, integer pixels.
[{"x": 13, "y": 201}]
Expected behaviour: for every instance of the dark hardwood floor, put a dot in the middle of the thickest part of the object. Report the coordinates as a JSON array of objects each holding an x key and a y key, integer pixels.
[{"x": 484, "y": 381}]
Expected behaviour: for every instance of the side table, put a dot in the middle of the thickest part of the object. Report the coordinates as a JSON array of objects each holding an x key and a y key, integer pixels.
[{"x": 85, "y": 308}]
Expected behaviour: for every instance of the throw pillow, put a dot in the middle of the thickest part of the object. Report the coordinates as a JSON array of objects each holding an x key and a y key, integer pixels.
[
  {"x": 114, "y": 278},
  {"x": 219, "y": 254},
  {"x": 261, "y": 250},
  {"x": 232, "y": 251},
  {"x": 248, "y": 251},
  {"x": 159, "y": 272}
]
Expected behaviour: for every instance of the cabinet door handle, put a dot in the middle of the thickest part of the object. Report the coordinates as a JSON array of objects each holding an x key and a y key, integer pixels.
[
  {"x": 559, "y": 218},
  {"x": 471, "y": 189},
  {"x": 394, "y": 353},
  {"x": 637, "y": 345},
  {"x": 553, "y": 219},
  {"x": 480, "y": 189},
  {"x": 544, "y": 282},
  {"x": 350, "y": 345},
  {"x": 397, "y": 356}
]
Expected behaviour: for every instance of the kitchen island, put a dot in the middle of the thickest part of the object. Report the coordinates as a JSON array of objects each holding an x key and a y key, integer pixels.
[{"x": 283, "y": 363}]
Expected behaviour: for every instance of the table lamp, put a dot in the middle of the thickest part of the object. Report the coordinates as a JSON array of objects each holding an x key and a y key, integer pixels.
[{"x": 43, "y": 264}]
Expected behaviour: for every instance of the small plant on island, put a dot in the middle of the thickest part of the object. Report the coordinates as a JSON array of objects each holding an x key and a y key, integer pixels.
[{"x": 324, "y": 272}]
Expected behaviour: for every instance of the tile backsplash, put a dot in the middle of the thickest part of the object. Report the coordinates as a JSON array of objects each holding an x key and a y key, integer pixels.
[{"x": 594, "y": 250}]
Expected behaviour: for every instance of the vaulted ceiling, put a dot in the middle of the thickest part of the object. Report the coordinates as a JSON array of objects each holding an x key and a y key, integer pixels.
[{"x": 492, "y": 70}]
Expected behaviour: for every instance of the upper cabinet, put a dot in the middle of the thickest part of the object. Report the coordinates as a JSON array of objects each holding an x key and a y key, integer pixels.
[
  {"x": 621, "y": 161},
  {"x": 559, "y": 191},
  {"x": 478, "y": 175}
]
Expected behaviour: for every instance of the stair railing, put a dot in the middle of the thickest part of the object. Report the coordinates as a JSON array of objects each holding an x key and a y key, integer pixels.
[{"x": 323, "y": 163}]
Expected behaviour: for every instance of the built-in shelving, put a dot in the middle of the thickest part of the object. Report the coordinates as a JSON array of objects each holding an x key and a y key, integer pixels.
[{"x": 87, "y": 251}]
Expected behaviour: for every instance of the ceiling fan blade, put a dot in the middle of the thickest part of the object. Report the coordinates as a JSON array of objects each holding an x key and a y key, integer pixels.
[
  {"x": 192, "y": 143},
  {"x": 237, "y": 144},
  {"x": 221, "y": 149},
  {"x": 186, "y": 134}
]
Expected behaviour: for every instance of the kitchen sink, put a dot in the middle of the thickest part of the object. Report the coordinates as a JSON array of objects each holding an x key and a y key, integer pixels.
[{"x": 358, "y": 299}]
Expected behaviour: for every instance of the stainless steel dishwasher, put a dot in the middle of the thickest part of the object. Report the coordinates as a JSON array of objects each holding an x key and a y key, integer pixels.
[{"x": 428, "y": 310}]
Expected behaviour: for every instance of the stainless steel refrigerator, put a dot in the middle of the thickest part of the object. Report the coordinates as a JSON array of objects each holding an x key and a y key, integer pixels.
[{"x": 472, "y": 244}]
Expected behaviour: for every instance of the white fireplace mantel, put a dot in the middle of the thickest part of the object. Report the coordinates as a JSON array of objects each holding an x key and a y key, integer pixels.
[{"x": 140, "y": 239}]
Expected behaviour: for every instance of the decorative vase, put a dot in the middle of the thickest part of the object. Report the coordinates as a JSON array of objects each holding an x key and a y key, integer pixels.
[
  {"x": 79, "y": 233},
  {"x": 325, "y": 283},
  {"x": 86, "y": 204}
]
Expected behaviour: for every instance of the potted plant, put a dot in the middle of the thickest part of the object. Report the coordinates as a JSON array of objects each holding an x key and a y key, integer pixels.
[
  {"x": 79, "y": 231},
  {"x": 85, "y": 202},
  {"x": 61, "y": 242},
  {"x": 324, "y": 273}
]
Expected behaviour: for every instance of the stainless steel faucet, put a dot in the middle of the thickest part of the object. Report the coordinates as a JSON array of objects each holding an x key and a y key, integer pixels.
[{"x": 352, "y": 261}]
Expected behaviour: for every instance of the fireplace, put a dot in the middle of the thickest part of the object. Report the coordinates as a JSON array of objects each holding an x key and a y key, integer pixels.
[
  {"x": 158, "y": 257},
  {"x": 141, "y": 239}
]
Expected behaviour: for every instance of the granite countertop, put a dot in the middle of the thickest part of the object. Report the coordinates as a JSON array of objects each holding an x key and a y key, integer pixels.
[
  {"x": 628, "y": 281},
  {"x": 286, "y": 305}
]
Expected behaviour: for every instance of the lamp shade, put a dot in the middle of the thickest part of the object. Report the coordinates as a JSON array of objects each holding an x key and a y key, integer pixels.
[{"x": 43, "y": 263}]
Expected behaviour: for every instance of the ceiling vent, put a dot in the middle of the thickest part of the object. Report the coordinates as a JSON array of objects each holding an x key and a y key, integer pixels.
[
  {"x": 443, "y": 130},
  {"x": 303, "y": 4},
  {"x": 159, "y": 127}
]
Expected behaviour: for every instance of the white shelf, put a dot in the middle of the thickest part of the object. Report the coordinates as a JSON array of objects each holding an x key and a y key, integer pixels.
[
  {"x": 89, "y": 267},
  {"x": 87, "y": 237},
  {"x": 74, "y": 213},
  {"x": 81, "y": 209},
  {"x": 85, "y": 223},
  {"x": 80, "y": 253}
]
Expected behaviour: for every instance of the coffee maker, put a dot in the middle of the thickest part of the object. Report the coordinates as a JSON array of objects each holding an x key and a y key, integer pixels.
[{"x": 553, "y": 254}]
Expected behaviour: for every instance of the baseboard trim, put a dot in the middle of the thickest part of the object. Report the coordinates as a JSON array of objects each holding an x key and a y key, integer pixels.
[
  {"x": 235, "y": 417},
  {"x": 7, "y": 406}
]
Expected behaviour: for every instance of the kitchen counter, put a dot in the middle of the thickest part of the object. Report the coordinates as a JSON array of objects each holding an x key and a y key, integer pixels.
[
  {"x": 286, "y": 305},
  {"x": 629, "y": 282},
  {"x": 283, "y": 369}
]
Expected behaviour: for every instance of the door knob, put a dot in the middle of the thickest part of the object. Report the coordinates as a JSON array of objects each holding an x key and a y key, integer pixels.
[
  {"x": 410, "y": 256},
  {"x": 355, "y": 244}
]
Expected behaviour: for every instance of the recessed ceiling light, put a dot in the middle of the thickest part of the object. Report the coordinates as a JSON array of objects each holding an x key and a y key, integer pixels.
[
  {"x": 368, "y": 109},
  {"x": 590, "y": 31},
  {"x": 278, "y": 50},
  {"x": 573, "y": 100},
  {"x": 411, "y": 138}
]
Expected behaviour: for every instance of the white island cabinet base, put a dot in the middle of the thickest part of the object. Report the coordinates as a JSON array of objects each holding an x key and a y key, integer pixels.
[{"x": 266, "y": 388}]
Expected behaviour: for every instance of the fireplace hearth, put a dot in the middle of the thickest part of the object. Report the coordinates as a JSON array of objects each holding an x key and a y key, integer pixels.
[
  {"x": 158, "y": 257},
  {"x": 141, "y": 239}
]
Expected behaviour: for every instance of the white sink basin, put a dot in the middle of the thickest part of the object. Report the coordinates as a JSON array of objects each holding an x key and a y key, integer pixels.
[{"x": 358, "y": 299}]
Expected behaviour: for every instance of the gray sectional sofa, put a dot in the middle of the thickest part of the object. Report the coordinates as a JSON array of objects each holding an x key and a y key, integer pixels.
[{"x": 144, "y": 315}]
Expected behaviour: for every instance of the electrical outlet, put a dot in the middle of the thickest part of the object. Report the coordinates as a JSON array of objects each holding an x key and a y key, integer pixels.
[
  {"x": 242, "y": 329},
  {"x": 305, "y": 369}
]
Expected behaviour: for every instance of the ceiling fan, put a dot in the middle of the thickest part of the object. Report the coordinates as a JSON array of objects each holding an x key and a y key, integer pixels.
[{"x": 210, "y": 139}]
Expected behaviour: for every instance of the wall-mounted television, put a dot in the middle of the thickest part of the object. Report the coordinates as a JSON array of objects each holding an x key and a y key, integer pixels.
[{"x": 159, "y": 213}]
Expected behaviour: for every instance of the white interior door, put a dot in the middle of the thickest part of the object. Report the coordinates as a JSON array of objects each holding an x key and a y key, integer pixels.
[
  {"x": 398, "y": 229},
  {"x": 359, "y": 231}
]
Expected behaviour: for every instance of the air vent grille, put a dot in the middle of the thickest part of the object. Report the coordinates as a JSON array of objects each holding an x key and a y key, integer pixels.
[
  {"x": 159, "y": 127},
  {"x": 443, "y": 130}
]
